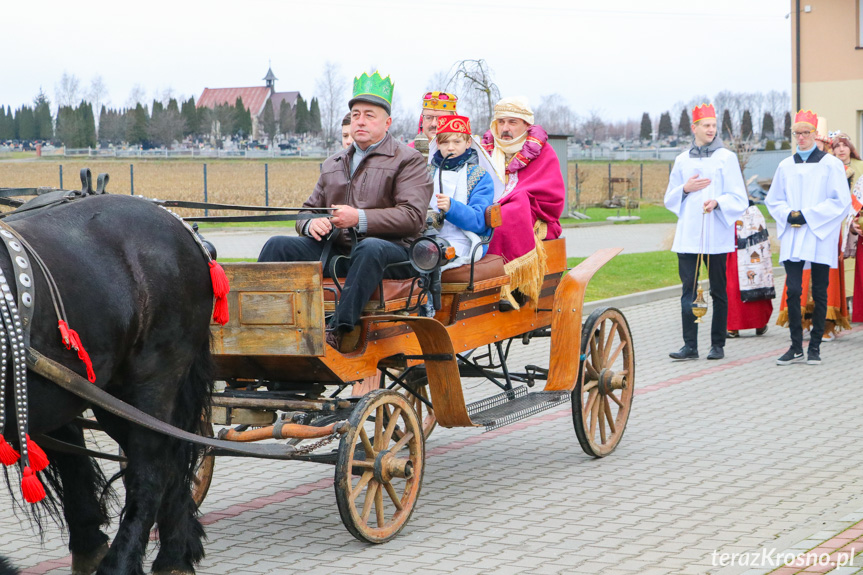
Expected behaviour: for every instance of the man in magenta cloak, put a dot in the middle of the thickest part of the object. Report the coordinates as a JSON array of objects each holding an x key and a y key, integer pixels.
[{"x": 533, "y": 197}]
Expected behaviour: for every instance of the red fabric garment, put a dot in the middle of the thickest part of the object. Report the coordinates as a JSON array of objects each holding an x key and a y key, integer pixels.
[
  {"x": 743, "y": 315},
  {"x": 857, "y": 311},
  {"x": 539, "y": 187}
]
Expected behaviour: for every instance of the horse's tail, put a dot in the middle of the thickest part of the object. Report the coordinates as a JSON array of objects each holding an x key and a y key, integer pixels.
[
  {"x": 193, "y": 404},
  {"x": 7, "y": 568}
]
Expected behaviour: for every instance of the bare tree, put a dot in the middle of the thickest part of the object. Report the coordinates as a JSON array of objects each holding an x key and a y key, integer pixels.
[
  {"x": 68, "y": 91},
  {"x": 473, "y": 84},
  {"x": 593, "y": 127},
  {"x": 137, "y": 96},
  {"x": 555, "y": 115},
  {"x": 331, "y": 94},
  {"x": 438, "y": 81},
  {"x": 166, "y": 127},
  {"x": 98, "y": 96}
]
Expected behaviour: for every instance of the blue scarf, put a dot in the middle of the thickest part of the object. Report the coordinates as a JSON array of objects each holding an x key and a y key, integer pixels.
[{"x": 456, "y": 162}]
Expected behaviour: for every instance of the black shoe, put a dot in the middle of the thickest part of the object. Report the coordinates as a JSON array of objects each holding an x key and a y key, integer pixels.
[
  {"x": 789, "y": 357},
  {"x": 732, "y": 333},
  {"x": 813, "y": 357},
  {"x": 761, "y": 330},
  {"x": 684, "y": 353},
  {"x": 716, "y": 352}
]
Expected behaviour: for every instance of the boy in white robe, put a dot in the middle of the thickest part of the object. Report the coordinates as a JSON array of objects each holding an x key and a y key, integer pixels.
[
  {"x": 808, "y": 199},
  {"x": 707, "y": 194}
]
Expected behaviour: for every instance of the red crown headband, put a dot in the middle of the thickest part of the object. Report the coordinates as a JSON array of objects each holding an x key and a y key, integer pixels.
[
  {"x": 806, "y": 116},
  {"x": 703, "y": 112},
  {"x": 453, "y": 124}
]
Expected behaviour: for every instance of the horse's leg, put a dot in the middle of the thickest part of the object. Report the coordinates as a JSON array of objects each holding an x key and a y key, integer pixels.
[
  {"x": 146, "y": 476},
  {"x": 81, "y": 484},
  {"x": 180, "y": 531}
]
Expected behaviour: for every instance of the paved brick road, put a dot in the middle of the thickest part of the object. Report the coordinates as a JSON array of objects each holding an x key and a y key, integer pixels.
[{"x": 732, "y": 456}]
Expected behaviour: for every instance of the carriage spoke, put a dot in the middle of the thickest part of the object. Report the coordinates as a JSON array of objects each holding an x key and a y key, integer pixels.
[
  {"x": 591, "y": 398},
  {"x": 594, "y": 416},
  {"x": 608, "y": 417},
  {"x": 379, "y": 507},
  {"x": 607, "y": 347},
  {"x": 601, "y": 421},
  {"x": 594, "y": 353},
  {"x": 370, "y": 498},
  {"x": 367, "y": 445},
  {"x": 590, "y": 385},
  {"x": 616, "y": 353},
  {"x": 364, "y": 463},
  {"x": 592, "y": 374},
  {"x": 402, "y": 442},
  {"x": 600, "y": 338},
  {"x": 394, "y": 496},
  {"x": 614, "y": 398},
  {"x": 364, "y": 480},
  {"x": 379, "y": 425},
  {"x": 391, "y": 426}
]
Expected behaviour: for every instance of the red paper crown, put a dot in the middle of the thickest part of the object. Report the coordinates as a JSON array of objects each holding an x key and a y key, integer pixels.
[
  {"x": 807, "y": 116},
  {"x": 454, "y": 124},
  {"x": 439, "y": 101},
  {"x": 703, "y": 112}
]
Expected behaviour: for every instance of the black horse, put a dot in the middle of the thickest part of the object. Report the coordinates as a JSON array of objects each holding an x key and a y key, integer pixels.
[{"x": 137, "y": 289}]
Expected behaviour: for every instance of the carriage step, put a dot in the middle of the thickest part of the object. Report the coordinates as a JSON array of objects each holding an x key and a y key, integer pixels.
[{"x": 511, "y": 406}]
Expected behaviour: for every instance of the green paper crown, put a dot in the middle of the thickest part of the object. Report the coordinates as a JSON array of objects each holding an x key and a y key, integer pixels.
[{"x": 374, "y": 85}]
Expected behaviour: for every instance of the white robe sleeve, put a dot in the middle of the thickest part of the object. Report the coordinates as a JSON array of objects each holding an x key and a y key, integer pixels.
[
  {"x": 777, "y": 202},
  {"x": 675, "y": 195},
  {"x": 733, "y": 201},
  {"x": 824, "y": 217}
]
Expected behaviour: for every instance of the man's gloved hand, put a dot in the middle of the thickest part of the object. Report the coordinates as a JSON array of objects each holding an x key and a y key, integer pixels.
[{"x": 796, "y": 219}]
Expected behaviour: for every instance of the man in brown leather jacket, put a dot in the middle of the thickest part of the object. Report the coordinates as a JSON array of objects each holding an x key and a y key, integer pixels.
[{"x": 379, "y": 187}]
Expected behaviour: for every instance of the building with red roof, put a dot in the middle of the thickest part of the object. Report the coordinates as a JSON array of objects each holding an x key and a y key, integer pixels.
[{"x": 254, "y": 99}]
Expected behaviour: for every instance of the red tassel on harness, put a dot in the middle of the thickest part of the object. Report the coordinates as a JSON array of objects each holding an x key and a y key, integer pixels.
[
  {"x": 220, "y": 291},
  {"x": 37, "y": 457},
  {"x": 8, "y": 456},
  {"x": 72, "y": 340},
  {"x": 31, "y": 487}
]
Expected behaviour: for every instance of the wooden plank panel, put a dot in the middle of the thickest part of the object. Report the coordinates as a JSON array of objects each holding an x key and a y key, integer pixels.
[{"x": 266, "y": 308}]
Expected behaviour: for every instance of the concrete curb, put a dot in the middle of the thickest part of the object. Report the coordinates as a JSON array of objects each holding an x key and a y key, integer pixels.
[{"x": 650, "y": 296}]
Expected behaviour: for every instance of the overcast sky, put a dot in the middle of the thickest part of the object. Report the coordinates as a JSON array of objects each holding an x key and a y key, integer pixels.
[{"x": 621, "y": 57}]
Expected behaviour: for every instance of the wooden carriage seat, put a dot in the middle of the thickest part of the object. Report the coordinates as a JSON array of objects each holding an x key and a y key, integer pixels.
[{"x": 397, "y": 296}]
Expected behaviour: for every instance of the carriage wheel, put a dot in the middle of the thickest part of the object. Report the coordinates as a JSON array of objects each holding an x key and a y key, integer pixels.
[
  {"x": 425, "y": 414},
  {"x": 378, "y": 475},
  {"x": 203, "y": 468},
  {"x": 603, "y": 392}
]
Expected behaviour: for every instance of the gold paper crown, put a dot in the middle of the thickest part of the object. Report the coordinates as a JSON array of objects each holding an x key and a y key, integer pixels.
[{"x": 440, "y": 101}]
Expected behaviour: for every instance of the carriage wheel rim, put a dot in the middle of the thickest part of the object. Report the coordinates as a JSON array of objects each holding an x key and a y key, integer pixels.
[
  {"x": 602, "y": 399},
  {"x": 376, "y": 505}
]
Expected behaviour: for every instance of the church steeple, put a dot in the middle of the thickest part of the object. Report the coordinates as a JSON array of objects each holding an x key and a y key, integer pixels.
[{"x": 270, "y": 78}]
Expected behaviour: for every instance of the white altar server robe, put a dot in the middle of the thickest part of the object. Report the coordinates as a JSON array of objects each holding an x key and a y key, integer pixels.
[
  {"x": 726, "y": 187},
  {"x": 820, "y": 191}
]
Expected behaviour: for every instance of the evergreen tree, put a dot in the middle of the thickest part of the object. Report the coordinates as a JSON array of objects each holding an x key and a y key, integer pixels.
[
  {"x": 243, "y": 118},
  {"x": 268, "y": 121},
  {"x": 286, "y": 118},
  {"x": 684, "y": 126},
  {"x": 301, "y": 115},
  {"x": 157, "y": 109},
  {"x": 26, "y": 122},
  {"x": 767, "y": 128},
  {"x": 42, "y": 117},
  {"x": 665, "y": 128},
  {"x": 224, "y": 115},
  {"x": 786, "y": 133},
  {"x": 103, "y": 121},
  {"x": 315, "y": 117},
  {"x": 173, "y": 106},
  {"x": 727, "y": 127},
  {"x": 136, "y": 127},
  {"x": 746, "y": 125},
  {"x": 7, "y": 124},
  {"x": 87, "y": 126},
  {"x": 67, "y": 127},
  {"x": 190, "y": 116},
  {"x": 646, "y": 127}
]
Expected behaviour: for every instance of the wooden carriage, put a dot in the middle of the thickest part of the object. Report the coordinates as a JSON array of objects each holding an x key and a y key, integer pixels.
[{"x": 382, "y": 398}]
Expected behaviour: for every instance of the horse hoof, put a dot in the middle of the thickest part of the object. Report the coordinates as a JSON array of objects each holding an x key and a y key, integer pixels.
[{"x": 87, "y": 564}]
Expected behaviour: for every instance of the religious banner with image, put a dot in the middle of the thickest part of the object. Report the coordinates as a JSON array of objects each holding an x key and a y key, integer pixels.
[{"x": 754, "y": 261}]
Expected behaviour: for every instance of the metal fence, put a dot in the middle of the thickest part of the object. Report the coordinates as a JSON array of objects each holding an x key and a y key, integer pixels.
[{"x": 183, "y": 153}]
